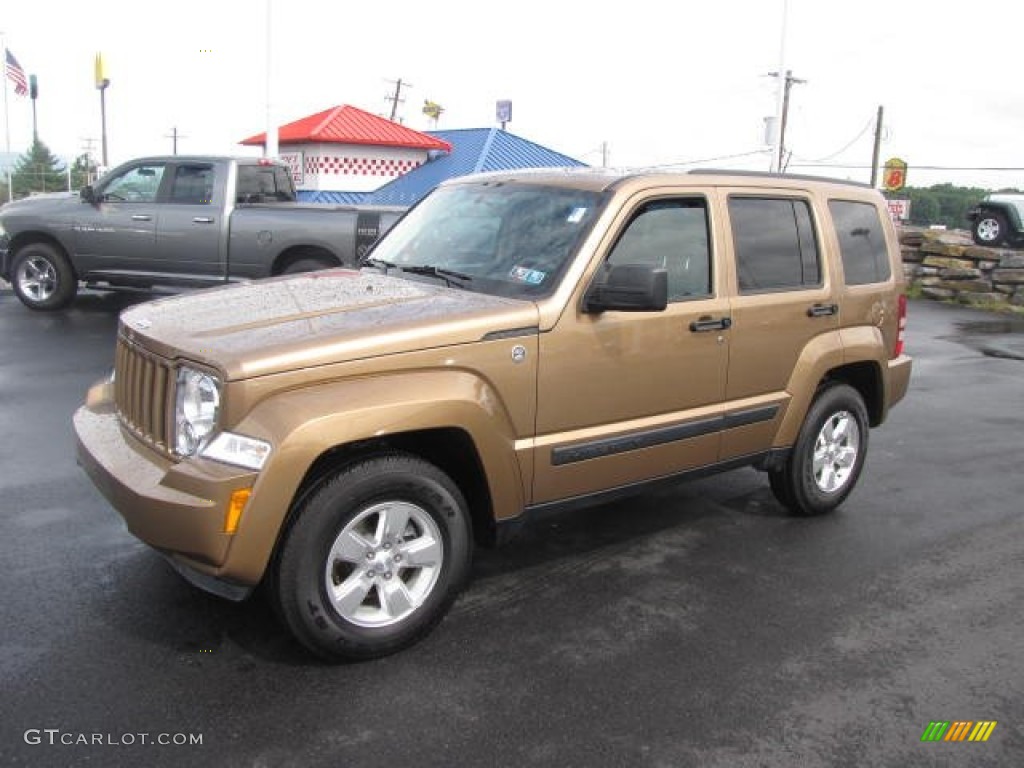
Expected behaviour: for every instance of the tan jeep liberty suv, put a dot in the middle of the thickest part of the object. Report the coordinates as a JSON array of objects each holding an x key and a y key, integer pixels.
[{"x": 518, "y": 341}]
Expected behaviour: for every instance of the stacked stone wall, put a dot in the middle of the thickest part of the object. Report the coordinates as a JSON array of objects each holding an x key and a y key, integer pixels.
[{"x": 948, "y": 266}]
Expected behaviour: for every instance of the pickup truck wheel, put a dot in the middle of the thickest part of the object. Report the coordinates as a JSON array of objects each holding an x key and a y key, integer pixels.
[
  {"x": 42, "y": 277},
  {"x": 826, "y": 461},
  {"x": 990, "y": 228},
  {"x": 374, "y": 559},
  {"x": 307, "y": 265}
]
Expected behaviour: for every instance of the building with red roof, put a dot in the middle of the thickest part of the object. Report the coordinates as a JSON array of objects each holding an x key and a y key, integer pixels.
[{"x": 345, "y": 148}]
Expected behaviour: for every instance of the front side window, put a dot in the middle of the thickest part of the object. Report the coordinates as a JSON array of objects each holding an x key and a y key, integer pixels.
[
  {"x": 861, "y": 242},
  {"x": 506, "y": 238},
  {"x": 776, "y": 248},
  {"x": 136, "y": 185},
  {"x": 672, "y": 234}
]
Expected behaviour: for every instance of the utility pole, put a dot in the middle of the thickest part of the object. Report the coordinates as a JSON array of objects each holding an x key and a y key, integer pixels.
[
  {"x": 174, "y": 136},
  {"x": 786, "y": 86},
  {"x": 397, "y": 98},
  {"x": 877, "y": 148}
]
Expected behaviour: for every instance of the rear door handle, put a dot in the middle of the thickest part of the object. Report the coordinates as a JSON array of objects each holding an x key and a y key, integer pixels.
[
  {"x": 705, "y": 324},
  {"x": 203, "y": 220},
  {"x": 141, "y": 217},
  {"x": 822, "y": 310}
]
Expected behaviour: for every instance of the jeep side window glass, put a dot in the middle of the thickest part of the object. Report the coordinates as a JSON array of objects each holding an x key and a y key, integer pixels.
[
  {"x": 671, "y": 234},
  {"x": 861, "y": 242},
  {"x": 136, "y": 185},
  {"x": 776, "y": 247}
]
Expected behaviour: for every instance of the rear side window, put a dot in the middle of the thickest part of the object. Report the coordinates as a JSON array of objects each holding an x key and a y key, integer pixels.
[
  {"x": 861, "y": 242},
  {"x": 264, "y": 184},
  {"x": 193, "y": 185},
  {"x": 776, "y": 248}
]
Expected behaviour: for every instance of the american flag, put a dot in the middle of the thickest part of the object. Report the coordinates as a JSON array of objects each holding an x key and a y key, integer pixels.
[{"x": 17, "y": 75}]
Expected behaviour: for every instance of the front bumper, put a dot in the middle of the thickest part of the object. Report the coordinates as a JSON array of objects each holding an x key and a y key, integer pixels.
[{"x": 176, "y": 507}]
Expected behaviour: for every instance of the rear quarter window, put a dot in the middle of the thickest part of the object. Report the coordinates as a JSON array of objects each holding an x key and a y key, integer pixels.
[{"x": 861, "y": 242}]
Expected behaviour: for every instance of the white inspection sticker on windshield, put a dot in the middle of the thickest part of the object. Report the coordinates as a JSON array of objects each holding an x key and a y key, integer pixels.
[
  {"x": 576, "y": 215},
  {"x": 524, "y": 275}
]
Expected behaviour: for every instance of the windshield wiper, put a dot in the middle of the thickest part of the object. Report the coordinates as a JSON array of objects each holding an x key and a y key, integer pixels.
[
  {"x": 451, "y": 278},
  {"x": 383, "y": 266}
]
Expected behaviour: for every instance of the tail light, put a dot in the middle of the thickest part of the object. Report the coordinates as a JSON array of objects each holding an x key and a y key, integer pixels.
[{"x": 901, "y": 326}]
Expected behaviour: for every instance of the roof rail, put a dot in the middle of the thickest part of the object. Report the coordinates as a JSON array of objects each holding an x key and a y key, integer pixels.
[{"x": 773, "y": 175}]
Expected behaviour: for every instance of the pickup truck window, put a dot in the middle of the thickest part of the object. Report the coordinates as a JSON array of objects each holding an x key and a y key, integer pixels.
[
  {"x": 509, "y": 239},
  {"x": 671, "y": 234},
  {"x": 136, "y": 185},
  {"x": 776, "y": 249},
  {"x": 193, "y": 185},
  {"x": 264, "y": 184}
]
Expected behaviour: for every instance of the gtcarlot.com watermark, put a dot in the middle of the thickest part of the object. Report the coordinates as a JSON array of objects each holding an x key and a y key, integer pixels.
[{"x": 57, "y": 737}]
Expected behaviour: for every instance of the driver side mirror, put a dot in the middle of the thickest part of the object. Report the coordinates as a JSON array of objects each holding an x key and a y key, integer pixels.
[
  {"x": 629, "y": 288},
  {"x": 88, "y": 194}
]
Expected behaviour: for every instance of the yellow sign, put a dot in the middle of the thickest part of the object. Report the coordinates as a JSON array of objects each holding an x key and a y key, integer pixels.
[
  {"x": 894, "y": 175},
  {"x": 100, "y": 66}
]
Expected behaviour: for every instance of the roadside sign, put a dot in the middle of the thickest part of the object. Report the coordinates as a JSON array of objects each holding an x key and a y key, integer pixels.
[
  {"x": 294, "y": 161},
  {"x": 894, "y": 175},
  {"x": 899, "y": 209}
]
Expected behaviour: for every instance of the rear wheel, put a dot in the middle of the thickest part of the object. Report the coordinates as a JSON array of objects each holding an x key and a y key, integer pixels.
[
  {"x": 374, "y": 559},
  {"x": 828, "y": 456},
  {"x": 42, "y": 277},
  {"x": 990, "y": 228}
]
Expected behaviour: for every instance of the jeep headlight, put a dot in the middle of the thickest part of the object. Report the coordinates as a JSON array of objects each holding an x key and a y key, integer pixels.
[{"x": 195, "y": 412}]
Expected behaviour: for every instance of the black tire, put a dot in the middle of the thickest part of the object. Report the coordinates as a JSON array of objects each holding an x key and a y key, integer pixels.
[
  {"x": 308, "y": 264},
  {"x": 825, "y": 463},
  {"x": 42, "y": 278},
  {"x": 990, "y": 228},
  {"x": 374, "y": 558}
]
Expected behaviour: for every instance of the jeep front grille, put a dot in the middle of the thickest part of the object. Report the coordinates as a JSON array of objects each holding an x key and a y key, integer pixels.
[{"x": 143, "y": 384}]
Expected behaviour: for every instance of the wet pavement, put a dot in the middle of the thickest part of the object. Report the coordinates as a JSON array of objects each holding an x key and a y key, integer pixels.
[{"x": 694, "y": 627}]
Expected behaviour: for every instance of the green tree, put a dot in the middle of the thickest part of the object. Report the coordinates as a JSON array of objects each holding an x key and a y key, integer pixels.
[
  {"x": 942, "y": 204},
  {"x": 38, "y": 170}
]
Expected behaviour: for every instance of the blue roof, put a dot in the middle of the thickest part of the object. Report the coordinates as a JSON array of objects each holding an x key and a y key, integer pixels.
[
  {"x": 473, "y": 150},
  {"x": 332, "y": 198}
]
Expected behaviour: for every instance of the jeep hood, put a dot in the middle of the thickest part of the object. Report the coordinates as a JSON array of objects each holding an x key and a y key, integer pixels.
[{"x": 317, "y": 318}]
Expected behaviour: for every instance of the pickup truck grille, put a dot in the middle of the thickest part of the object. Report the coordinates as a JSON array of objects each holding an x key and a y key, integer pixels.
[{"x": 143, "y": 386}]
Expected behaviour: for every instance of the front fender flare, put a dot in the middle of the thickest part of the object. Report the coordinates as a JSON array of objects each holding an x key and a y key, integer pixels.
[{"x": 303, "y": 424}]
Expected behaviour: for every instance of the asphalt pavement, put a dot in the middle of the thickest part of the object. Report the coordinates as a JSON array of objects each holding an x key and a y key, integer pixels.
[{"x": 699, "y": 626}]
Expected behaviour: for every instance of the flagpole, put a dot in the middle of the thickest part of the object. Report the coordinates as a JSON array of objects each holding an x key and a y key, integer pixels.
[{"x": 7, "y": 125}]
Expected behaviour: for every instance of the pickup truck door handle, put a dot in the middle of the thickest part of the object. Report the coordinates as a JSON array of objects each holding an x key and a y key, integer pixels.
[
  {"x": 141, "y": 217},
  {"x": 708, "y": 323},
  {"x": 203, "y": 220},
  {"x": 822, "y": 310}
]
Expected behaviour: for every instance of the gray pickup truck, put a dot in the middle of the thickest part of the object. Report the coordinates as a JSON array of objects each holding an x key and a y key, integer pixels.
[{"x": 176, "y": 222}]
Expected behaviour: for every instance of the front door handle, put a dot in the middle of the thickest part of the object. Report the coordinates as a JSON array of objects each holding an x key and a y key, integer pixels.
[
  {"x": 141, "y": 217},
  {"x": 708, "y": 323},
  {"x": 203, "y": 220},
  {"x": 822, "y": 310}
]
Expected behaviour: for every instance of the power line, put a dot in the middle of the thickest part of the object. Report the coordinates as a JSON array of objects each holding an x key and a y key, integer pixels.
[
  {"x": 915, "y": 166},
  {"x": 711, "y": 159},
  {"x": 846, "y": 146}
]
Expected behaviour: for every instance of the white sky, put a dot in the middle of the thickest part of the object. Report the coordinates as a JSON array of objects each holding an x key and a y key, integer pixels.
[{"x": 660, "y": 81}]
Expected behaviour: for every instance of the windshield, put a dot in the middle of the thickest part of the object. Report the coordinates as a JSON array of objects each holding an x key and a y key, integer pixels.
[{"x": 501, "y": 238}]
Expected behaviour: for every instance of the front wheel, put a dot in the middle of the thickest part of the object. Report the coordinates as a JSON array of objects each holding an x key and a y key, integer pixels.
[
  {"x": 990, "y": 229},
  {"x": 375, "y": 558},
  {"x": 826, "y": 461},
  {"x": 42, "y": 278}
]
